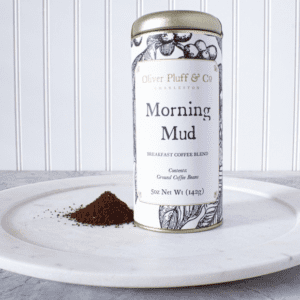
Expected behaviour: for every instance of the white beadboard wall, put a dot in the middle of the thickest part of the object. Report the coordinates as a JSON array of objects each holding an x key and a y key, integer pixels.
[{"x": 65, "y": 83}]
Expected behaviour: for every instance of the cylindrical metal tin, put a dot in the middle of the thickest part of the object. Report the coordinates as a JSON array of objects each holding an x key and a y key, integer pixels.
[{"x": 177, "y": 121}]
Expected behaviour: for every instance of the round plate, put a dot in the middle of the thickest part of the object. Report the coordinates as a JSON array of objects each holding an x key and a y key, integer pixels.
[{"x": 260, "y": 235}]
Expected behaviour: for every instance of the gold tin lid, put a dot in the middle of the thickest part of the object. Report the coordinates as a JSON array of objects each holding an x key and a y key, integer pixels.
[{"x": 176, "y": 19}]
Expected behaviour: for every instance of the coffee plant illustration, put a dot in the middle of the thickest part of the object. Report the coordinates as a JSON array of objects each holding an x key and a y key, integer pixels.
[
  {"x": 208, "y": 214},
  {"x": 166, "y": 44}
]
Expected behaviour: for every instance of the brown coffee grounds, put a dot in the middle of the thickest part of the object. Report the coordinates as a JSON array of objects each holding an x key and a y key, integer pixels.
[{"x": 107, "y": 209}]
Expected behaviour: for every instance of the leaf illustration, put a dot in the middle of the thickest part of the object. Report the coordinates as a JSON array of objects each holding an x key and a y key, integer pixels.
[
  {"x": 160, "y": 39},
  {"x": 210, "y": 216},
  {"x": 150, "y": 52},
  {"x": 219, "y": 40},
  {"x": 153, "y": 39},
  {"x": 191, "y": 212},
  {"x": 168, "y": 216},
  {"x": 220, "y": 77},
  {"x": 220, "y": 206},
  {"x": 220, "y": 150},
  {"x": 175, "y": 217},
  {"x": 136, "y": 60}
]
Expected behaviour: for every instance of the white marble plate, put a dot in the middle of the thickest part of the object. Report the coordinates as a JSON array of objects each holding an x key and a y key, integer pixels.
[{"x": 260, "y": 235}]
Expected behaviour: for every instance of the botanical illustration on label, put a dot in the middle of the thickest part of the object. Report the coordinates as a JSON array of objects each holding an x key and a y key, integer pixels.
[
  {"x": 177, "y": 124},
  {"x": 163, "y": 61}
]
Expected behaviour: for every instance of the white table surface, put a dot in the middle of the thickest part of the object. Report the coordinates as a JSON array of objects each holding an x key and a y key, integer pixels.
[{"x": 283, "y": 285}]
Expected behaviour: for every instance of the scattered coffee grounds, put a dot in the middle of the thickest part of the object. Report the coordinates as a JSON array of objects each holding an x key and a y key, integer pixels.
[{"x": 107, "y": 209}]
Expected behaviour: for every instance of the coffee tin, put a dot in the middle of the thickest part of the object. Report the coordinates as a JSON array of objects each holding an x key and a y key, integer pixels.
[{"x": 177, "y": 121}]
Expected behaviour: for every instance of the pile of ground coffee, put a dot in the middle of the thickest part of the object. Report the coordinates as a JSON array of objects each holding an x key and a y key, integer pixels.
[{"x": 107, "y": 209}]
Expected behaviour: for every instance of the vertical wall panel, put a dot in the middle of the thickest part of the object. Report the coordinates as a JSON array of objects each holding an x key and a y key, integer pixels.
[
  {"x": 62, "y": 84},
  {"x": 297, "y": 91},
  {"x": 250, "y": 85},
  {"x": 31, "y": 81},
  {"x": 150, "y": 6},
  {"x": 223, "y": 11},
  {"x": 92, "y": 84},
  {"x": 282, "y": 64},
  {"x": 7, "y": 111},
  {"x": 188, "y": 5},
  {"x": 123, "y": 15}
]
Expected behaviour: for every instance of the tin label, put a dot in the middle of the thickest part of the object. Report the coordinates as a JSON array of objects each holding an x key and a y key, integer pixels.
[{"x": 177, "y": 131}]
